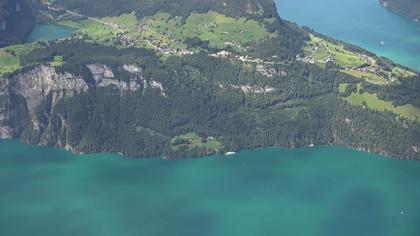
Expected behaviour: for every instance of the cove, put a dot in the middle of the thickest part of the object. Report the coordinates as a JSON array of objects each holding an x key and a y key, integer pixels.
[
  {"x": 48, "y": 32},
  {"x": 361, "y": 22},
  {"x": 325, "y": 191}
]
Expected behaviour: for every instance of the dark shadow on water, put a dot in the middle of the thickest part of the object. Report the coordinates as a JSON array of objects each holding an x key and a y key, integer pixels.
[{"x": 359, "y": 212}]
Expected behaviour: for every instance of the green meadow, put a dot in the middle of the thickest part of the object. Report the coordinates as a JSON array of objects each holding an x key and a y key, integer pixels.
[
  {"x": 9, "y": 56},
  {"x": 340, "y": 55},
  {"x": 373, "y": 102},
  {"x": 164, "y": 30},
  {"x": 219, "y": 29},
  {"x": 193, "y": 140},
  {"x": 8, "y": 62},
  {"x": 57, "y": 61},
  {"x": 368, "y": 76},
  {"x": 342, "y": 87}
]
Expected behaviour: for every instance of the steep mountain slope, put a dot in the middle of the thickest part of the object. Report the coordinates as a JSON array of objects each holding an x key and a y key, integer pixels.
[
  {"x": 202, "y": 79},
  {"x": 16, "y": 21},
  {"x": 237, "y": 8},
  {"x": 408, "y": 8}
]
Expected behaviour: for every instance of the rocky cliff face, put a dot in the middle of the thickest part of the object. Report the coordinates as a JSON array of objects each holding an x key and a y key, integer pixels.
[
  {"x": 21, "y": 94},
  {"x": 13, "y": 112},
  {"x": 104, "y": 77},
  {"x": 28, "y": 99},
  {"x": 408, "y": 8},
  {"x": 42, "y": 81}
]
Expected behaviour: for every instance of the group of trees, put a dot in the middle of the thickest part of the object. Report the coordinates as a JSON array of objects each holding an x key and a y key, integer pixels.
[
  {"x": 407, "y": 91},
  {"x": 234, "y": 8}
]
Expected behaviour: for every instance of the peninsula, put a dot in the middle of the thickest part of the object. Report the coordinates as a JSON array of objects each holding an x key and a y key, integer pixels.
[{"x": 186, "y": 78}]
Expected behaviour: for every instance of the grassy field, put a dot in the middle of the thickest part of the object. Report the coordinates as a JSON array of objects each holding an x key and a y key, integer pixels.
[
  {"x": 126, "y": 20},
  {"x": 57, "y": 62},
  {"x": 9, "y": 56},
  {"x": 320, "y": 49},
  {"x": 95, "y": 30},
  {"x": 166, "y": 31},
  {"x": 400, "y": 72},
  {"x": 192, "y": 140},
  {"x": 368, "y": 76},
  {"x": 214, "y": 27},
  {"x": 342, "y": 87},
  {"x": 8, "y": 62},
  {"x": 348, "y": 60},
  {"x": 105, "y": 34},
  {"x": 373, "y": 102},
  {"x": 219, "y": 29},
  {"x": 321, "y": 53},
  {"x": 340, "y": 55}
]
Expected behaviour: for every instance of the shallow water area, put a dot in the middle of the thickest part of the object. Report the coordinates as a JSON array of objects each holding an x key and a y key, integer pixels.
[{"x": 48, "y": 32}]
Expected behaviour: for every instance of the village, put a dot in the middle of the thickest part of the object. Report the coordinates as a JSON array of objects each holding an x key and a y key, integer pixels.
[{"x": 321, "y": 52}]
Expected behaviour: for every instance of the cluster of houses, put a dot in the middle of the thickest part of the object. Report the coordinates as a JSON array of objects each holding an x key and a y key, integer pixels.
[{"x": 131, "y": 40}]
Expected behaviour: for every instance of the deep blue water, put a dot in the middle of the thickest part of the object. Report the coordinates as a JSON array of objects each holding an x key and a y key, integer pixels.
[{"x": 361, "y": 22}]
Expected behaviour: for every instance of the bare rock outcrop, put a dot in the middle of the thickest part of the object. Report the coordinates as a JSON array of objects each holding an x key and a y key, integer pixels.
[{"x": 36, "y": 84}]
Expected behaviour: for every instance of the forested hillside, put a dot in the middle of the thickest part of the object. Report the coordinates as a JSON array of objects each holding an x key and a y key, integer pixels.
[
  {"x": 236, "y": 8},
  {"x": 408, "y": 8},
  {"x": 16, "y": 21},
  {"x": 201, "y": 78}
]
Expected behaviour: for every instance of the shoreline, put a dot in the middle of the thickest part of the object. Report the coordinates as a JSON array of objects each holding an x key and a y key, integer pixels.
[
  {"x": 386, "y": 5},
  {"x": 222, "y": 155}
]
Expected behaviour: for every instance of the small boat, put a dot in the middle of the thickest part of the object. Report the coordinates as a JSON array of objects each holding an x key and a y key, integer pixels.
[
  {"x": 382, "y": 42},
  {"x": 311, "y": 145},
  {"x": 230, "y": 153}
]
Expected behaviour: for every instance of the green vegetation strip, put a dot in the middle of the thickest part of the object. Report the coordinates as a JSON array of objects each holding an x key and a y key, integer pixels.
[
  {"x": 163, "y": 30},
  {"x": 368, "y": 76},
  {"x": 192, "y": 140},
  {"x": 342, "y": 87},
  {"x": 340, "y": 55},
  {"x": 373, "y": 102},
  {"x": 10, "y": 57}
]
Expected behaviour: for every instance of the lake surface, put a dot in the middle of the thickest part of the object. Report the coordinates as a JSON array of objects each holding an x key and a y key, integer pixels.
[
  {"x": 312, "y": 191},
  {"x": 48, "y": 32},
  {"x": 361, "y": 22}
]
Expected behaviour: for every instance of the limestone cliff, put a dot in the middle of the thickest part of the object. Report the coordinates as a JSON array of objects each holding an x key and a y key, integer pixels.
[{"x": 28, "y": 99}]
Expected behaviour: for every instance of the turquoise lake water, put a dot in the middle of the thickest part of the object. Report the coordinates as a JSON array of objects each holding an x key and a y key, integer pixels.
[
  {"x": 361, "y": 22},
  {"x": 47, "y": 32},
  {"x": 325, "y": 191},
  {"x": 322, "y": 191}
]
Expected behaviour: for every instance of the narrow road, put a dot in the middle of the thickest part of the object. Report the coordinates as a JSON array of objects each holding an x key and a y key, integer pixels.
[
  {"x": 102, "y": 22},
  {"x": 80, "y": 15}
]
